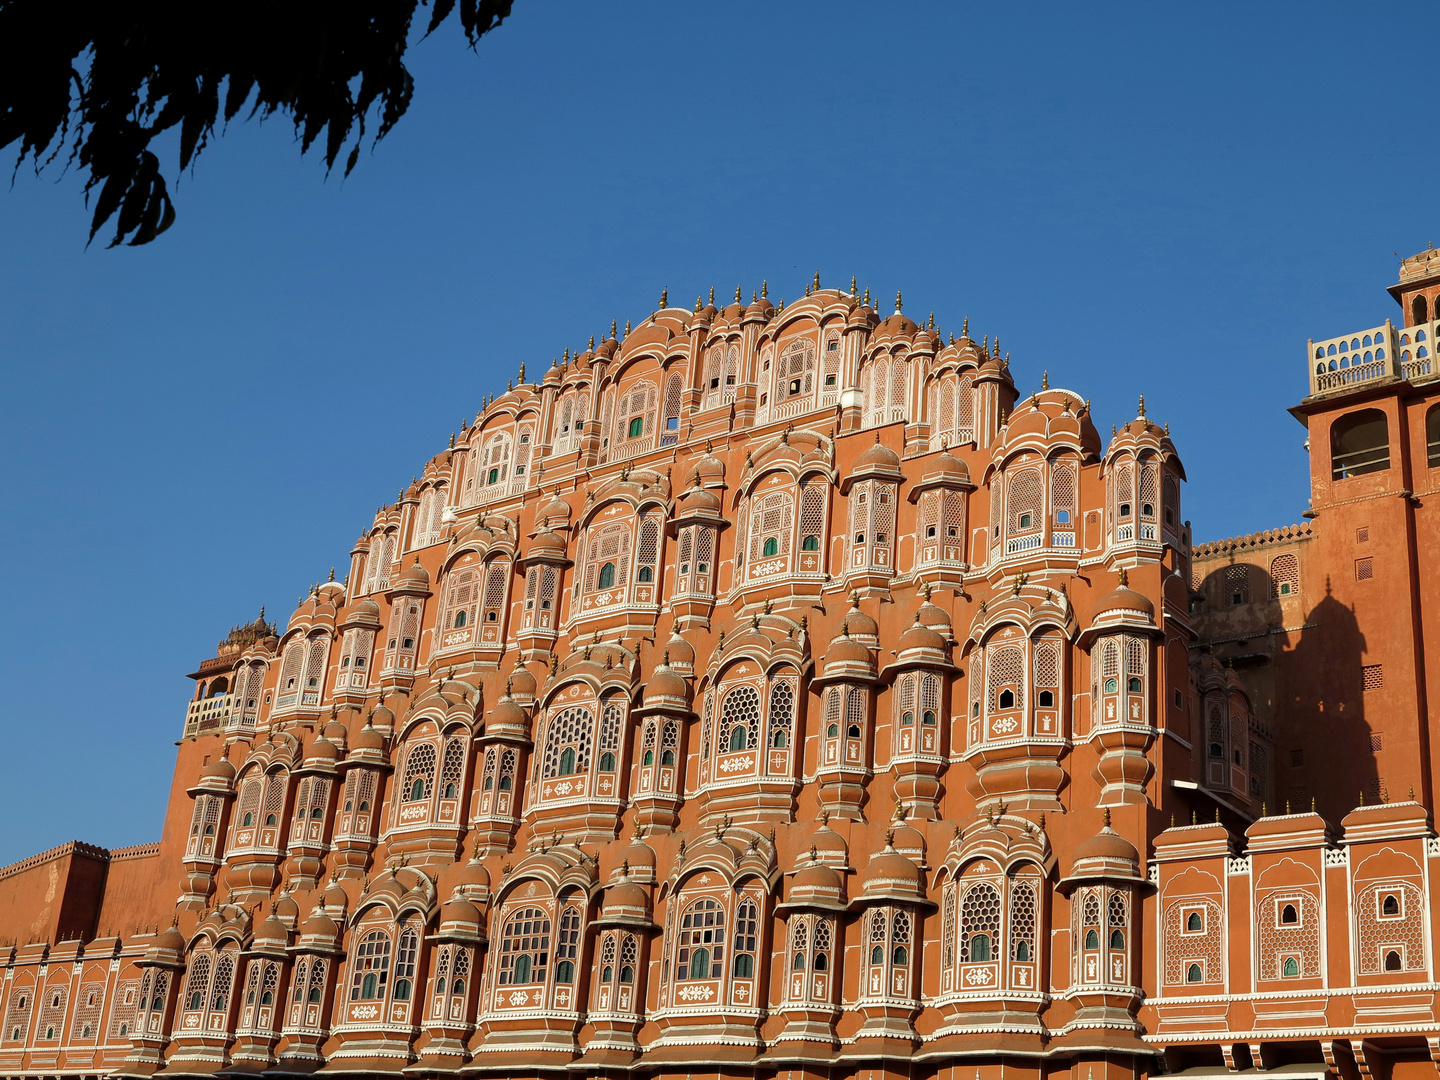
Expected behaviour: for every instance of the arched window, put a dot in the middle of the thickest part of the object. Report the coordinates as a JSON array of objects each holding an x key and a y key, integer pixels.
[
  {"x": 405, "y": 955},
  {"x": 740, "y": 719},
  {"x": 1392, "y": 960},
  {"x": 1291, "y": 967},
  {"x": 567, "y": 946},
  {"x": 1193, "y": 974},
  {"x": 371, "y": 970},
  {"x": 1418, "y": 313},
  {"x": 1359, "y": 444},
  {"x": 746, "y": 925},
  {"x": 568, "y": 742},
  {"x": 607, "y": 576},
  {"x": 420, "y": 772},
  {"x": 1194, "y": 923},
  {"x": 1288, "y": 915},
  {"x": 1432, "y": 437},
  {"x": 1390, "y": 905},
  {"x": 702, "y": 941},
  {"x": 524, "y": 948}
]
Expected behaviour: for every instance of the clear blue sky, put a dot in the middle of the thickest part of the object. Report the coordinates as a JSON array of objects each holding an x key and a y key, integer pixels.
[{"x": 1158, "y": 199}]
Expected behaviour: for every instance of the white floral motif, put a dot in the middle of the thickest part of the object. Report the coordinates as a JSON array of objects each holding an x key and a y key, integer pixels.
[
  {"x": 735, "y": 764},
  {"x": 519, "y": 997},
  {"x": 695, "y": 993},
  {"x": 1005, "y": 726},
  {"x": 979, "y": 976}
]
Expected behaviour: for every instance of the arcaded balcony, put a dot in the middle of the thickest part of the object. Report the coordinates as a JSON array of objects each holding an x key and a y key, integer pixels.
[
  {"x": 1344, "y": 363},
  {"x": 206, "y": 714}
]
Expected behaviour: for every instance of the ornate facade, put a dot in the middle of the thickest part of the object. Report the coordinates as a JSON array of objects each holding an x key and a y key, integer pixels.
[{"x": 778, "y": 690}]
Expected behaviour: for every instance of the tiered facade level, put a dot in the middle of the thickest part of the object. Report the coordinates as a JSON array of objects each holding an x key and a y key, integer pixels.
[{"x": 778, "y": 692}]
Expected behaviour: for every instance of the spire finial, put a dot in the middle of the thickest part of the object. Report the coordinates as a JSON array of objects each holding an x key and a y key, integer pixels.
[
  {"x": 852, "y": 284},
  {"x": 712, "y": 296},
  {"x": 1142, "y": 407},
  {"x": 899, "y": 305},
  {"x": 1045, "y": 380},
  {"x": 612, "y": 328},
  {"x": 1124, "y": 578},
  {"x": 588, "y": 348},
  {"x": 816, "y": 286},
  {"x": 664, "y": 297},
  {"x": 1107, "y": 817},
  {"x": 764, "y": 288},
  {"x": 627, "y": 328},
  {"x": 738, "y": 299}
]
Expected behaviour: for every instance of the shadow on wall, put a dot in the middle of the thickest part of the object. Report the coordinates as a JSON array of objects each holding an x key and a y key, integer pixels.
[
  {"x": 1305, "y": 676},
  {"x": 1320, "y": 694}
]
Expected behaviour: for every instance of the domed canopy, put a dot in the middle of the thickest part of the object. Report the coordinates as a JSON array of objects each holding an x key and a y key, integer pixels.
[
  {"x": 920, "y": 637},
  {"x": 877, "y": 456},
  {"x": 1105, "y": 856},
  {"x": 460, "y": 920},
  {"x": 626, "y": 902},
  {"x": 891, "y": 876},
  {"x": 415, "y": 576}
]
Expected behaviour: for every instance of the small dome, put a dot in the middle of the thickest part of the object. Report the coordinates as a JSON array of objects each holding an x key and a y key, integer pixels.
[
  {"x": 521, "y": 683},
  {"x": 506, "y": 717},
  {"x": 700, "y": 500},
  {"x": 908, "y": 841},
  {"x": 219, "y": 770},
  {"x": 170, "y": 940},
  {"x": 858, "y": 624},
  {"x": 367, "y": 738},
  {"x": 381, "y": 716},
  {"x": 334, "y": 898},
  {"x": 557, "y": 509},
  {"x": 892, "y": 874},
  {"x": 1123, "y": 598},
  {"x": 846, "y": 650},
  {"x": 322, "y": 750},
  {"x": 364, "y": 611},
  {"x": 878, "y": 456},
  {"x": 415, "y": 576},
  {"x": 546, "y": 543},
  {"x": 272, "y": 934},
  {"x": 319, "y": 927},
  {"x": 920, "y": 636},
  {"x": 472, "y": 879},
  {"x": 286, "y": 909},
  {"x": 947, "y": 468},
  {"x": 627, "y": 899},
  {"x": 817, "y": 877},
  {"x": 639, "y": 860},
  {"x": 682, "y": 653},
  {"x": 1106, "y": 845},
  {"x": 664, "y": 683},
  {"x": 459, "y": 916}
]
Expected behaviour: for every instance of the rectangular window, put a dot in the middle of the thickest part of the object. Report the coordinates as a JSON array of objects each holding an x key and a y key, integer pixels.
[
  {"x": 1377, "y": 740},
  {"x": 1362, "y": 534},
  {"x": 1297, "y": 758},
  {"x": 1372, "y": 677},
  {"x": 1364, "y": 569}
]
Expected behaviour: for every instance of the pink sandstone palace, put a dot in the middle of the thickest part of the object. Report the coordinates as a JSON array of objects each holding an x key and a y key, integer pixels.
[{"x": 780, "y": 693}]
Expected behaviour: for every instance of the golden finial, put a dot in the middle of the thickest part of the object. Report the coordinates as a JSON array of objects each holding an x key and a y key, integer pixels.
[
  {"x": 588, "y": 348},
  {"x": 566, "y": 361},
  {"x": 1107, "y": 817},
  {"x": 1124, "y": 578},
  {"x": 931, "y": 324},
  {"x": 965, "y": 327},
  {"x": 1142, "y": 407},
  {"x": 898, "y": 305},
  {"x": 1045, "y": 380},
  {"x": 807, "y": 290},
  {"x": 698, "y": 305},
  {"x": 509, "y": 385},
  {"x": 664, "y": 297},
  {"x": 817, "y": 281},
  {"x": 452, "y": 447},
  {"x": 737, "y": 294},
  {"x": 1167, "y": 428},
  {"x": 712, "y": 295},
  {"x": 627, "y": 328},
  {"x": 852, "y": 284},
  {"x": 764, "y": 288}
]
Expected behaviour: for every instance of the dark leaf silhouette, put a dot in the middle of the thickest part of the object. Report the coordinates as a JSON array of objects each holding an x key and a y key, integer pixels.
[{"x": 95, "y": 83}]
